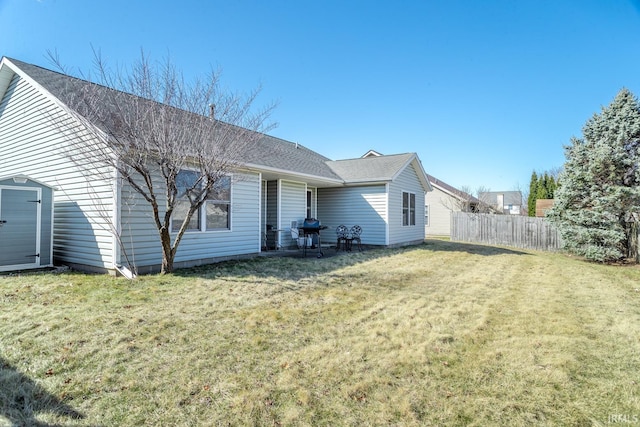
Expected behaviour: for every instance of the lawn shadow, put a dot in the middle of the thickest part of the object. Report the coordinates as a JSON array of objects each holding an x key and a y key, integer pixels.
[
  {"x": 437, "y": 245},
  {"x": 287, "y": 264},
  {"x": 292, "y": 265},
  {"x": 21, "y": 399}
]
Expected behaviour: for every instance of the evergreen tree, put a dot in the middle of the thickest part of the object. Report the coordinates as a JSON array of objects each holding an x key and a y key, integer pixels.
[
  {"x": 601, "y": 183},
  {"x": 542, "y": 186},
  {"x": 551, "y": 187},
  {"x": 533, "y": 190}
]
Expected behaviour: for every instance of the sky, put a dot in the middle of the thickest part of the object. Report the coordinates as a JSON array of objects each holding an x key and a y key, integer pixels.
[{"x": 485, "y": 92}]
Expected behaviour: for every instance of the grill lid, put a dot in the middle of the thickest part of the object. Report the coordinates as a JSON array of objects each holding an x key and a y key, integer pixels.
[{"x": 311, "y": 223}]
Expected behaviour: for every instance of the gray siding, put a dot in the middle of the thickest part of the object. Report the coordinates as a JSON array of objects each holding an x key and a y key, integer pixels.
[
  {"x": 365, "y": 206},
  {"x": 46, "y": 217},
  {"x": 441, "y": 204},
  {"x": 142, "y": 244},
  {"x": 398, "y": 234},
  {"x": 34, "y": 136},
  {"x": 293, "y": 207}
]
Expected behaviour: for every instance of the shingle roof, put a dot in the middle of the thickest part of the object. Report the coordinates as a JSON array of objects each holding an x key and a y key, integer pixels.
[
  {"x": 452, "y": 190},
  {"x": 373, "y": 168},
  {"x": 509, "y": 197},
  {"x": 269, "y": 152},
  {"x": 283, "y": 155}
]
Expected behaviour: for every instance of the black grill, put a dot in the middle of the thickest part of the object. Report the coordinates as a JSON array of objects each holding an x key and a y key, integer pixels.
[{"x": 311, "y": 227}]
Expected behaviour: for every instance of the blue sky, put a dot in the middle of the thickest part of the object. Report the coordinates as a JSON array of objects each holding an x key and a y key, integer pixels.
[{"x": 484, "y": 91}]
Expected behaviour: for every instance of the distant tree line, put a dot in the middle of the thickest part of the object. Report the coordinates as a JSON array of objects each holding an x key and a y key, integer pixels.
[{"x": 542, "y": 186}]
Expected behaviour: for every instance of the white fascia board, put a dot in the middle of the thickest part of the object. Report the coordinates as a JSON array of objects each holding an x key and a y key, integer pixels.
[
  {"x": 2, "y": 178},
  {"x": 260, "y": 168},
  {"x": 422, "y": 175},
  {"x": 48, "y": 95}
]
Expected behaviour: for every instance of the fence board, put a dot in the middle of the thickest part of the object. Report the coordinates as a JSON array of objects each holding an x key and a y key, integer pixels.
[{"x": 507, "y": 230}]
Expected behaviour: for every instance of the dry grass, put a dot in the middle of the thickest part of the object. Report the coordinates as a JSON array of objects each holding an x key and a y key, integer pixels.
[{"x": 439, "y": 334}]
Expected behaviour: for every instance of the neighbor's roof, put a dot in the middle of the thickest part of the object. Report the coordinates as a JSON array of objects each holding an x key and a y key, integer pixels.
[
  {"x": 509, "y": 197},
  {"x": 451, "y": 189}
]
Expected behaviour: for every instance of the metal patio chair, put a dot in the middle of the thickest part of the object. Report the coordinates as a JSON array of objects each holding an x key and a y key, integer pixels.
[
  {"x": 342, "y": 233},
  {"x": 355, "y": 232}
]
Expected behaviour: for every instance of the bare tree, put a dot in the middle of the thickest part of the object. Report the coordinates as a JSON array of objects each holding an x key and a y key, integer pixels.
[
  {"x": 485, "y": 204},
  {"x": 469, "y": 200},
  {"x": 173, "y": 142},
  {"x": 462, "y": 200}
]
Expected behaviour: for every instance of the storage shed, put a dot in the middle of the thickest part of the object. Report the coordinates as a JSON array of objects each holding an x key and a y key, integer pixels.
[{"x": 26, "y": 223}]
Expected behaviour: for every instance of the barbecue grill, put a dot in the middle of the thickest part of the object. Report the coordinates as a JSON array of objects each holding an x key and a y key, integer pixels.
[{"x": 311, "y": 227}]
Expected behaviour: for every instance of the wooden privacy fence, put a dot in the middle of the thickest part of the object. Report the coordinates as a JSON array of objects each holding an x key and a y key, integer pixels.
[{"x": 508, "y": 230}]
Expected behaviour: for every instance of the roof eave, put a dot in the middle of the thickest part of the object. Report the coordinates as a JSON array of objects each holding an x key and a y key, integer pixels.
[
  {"x": 422, "y": 175},
  {"x": 304, "y": 176}
]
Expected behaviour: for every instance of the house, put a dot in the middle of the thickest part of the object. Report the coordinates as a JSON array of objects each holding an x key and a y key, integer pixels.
[
  {"x": 507, "y": 202},
  {"x": 439, "y": 204},
  {"x": 98, "y": 228}
]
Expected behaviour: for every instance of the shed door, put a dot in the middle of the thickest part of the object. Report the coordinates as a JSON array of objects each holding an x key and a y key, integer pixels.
[{"x": 19, "y": 227}]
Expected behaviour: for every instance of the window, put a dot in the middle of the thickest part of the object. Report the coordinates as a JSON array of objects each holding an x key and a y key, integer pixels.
[
  {"x": 408, "y": 209},
  {"x": 184, "y": 181},
  {"x": 218, "y": 204},
  {"x": 216, "y": 208},
  {"x": 426, "y": 215},
  {"x": 309, "y": 204}
]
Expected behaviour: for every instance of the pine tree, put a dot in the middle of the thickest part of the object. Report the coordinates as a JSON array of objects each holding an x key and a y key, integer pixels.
[
  {"x": 533, "y": 191},
  {"x": 542, "y": 186},
  {"x": 601, "y": 183},
  {"x": 551, "y": 187}
]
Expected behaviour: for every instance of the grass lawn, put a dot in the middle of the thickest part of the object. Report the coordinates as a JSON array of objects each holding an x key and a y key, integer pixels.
[{"x": 438, "y": 334}]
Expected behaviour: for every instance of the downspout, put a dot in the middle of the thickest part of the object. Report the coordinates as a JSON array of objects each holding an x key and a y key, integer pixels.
[
  {"x": 116, "y": 219},
  {"x": 117, "y": 229}
]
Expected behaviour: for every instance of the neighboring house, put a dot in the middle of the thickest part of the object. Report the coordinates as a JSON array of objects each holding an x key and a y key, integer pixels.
[
  {"x": 96, "y": 228},
  {"x": 507, "y": 202},
  {"x": 439, "y": 204}
]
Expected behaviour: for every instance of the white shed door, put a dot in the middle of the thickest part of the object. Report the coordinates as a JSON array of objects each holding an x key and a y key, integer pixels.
[{"x": 19, "y": 228}]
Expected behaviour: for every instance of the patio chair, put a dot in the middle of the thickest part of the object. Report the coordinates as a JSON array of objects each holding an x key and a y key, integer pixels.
[
  {"x": 355, "y": 232},
  {"x": 295, "y": 235},
  {"x": 342, "y": 232}
]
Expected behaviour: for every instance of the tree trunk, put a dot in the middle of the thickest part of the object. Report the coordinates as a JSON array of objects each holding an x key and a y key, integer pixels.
[{"x": 167, "y": 252}]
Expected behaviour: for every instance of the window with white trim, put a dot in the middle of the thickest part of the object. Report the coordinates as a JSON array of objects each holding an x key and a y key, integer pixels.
[
  {"x": 215, "y": 213},
  {"x": 218, "y": 205},
  {"x": 185, "y": 180},
  {"x": 408, "y": 209}
]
